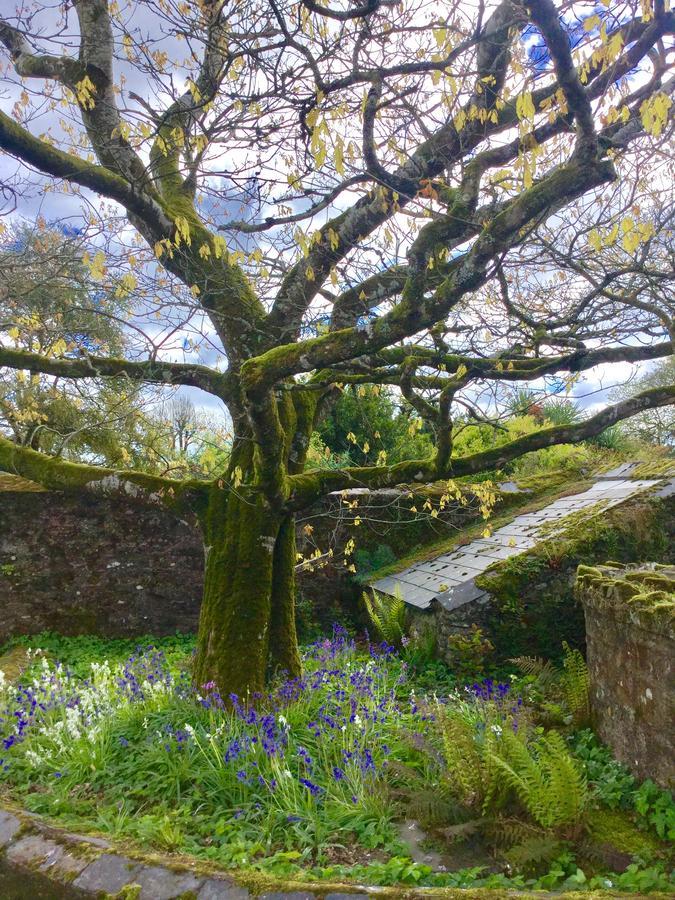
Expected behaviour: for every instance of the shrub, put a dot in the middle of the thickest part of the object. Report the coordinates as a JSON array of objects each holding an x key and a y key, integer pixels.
[{"x": 469, "y": 652}]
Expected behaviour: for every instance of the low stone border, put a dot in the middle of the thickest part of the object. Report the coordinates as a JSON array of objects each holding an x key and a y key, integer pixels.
[{"x": 90, "y": 867}]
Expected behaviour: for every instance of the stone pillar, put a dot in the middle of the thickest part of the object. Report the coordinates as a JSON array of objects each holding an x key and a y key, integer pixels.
[{"x": 630, "y": 633}]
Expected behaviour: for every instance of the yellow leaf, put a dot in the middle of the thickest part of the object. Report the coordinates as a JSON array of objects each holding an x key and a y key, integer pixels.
[
  {"x": 595, "y": 240},
  {"x": 525, "y": 106},
  {"x": 339, "y": 157},
  {"x": 654, "y": 113}
]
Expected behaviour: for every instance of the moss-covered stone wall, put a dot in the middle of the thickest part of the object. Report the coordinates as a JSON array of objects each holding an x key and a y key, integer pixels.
[{"x": 630, "y": 625}]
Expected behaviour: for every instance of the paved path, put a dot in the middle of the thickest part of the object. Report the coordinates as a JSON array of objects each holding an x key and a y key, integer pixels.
[{"x": 450, "y": 578}]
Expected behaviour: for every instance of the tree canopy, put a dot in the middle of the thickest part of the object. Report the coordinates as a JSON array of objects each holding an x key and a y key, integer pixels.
[{"x": 444, "y": 199}]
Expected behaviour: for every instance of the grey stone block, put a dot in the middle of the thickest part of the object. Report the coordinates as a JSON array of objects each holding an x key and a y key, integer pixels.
[
  {"x": 290, "y": 895},
  {"x": 63, "y": 865},
  {"x": 219, "y": 889},
  {"x": 346, "y": 896},
  {"x": 159, "y": 883},
  {"x": 667, "y": 490},
  {"x": 9, "y": 825},
  {"x": 460, "y": 595},
  {"x": 30, "y": 851},
  {"x": 109, "y": 873},
  {"x": 385, "y": 585}
]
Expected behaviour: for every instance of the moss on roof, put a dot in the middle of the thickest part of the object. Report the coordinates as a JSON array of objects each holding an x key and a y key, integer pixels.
[{"x": 14, "y": 483}]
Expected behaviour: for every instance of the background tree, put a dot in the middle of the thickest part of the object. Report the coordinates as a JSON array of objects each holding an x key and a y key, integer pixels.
[
  {"x": 52, "y": 305},
  {"x": 655, "y": 426},
  {"x": 445, "y": 200},
  {"x": 367, "y": 424}
]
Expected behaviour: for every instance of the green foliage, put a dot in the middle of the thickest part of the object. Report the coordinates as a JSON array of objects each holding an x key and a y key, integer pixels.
[
  {"x": 525, "y": 402},
  {"x": 575, "y": 683},
  {"x": 615, "y": 788},
  {"x": 613, "y": 785},
  {"x": 420, "y": 647},
  {"x": 386, "y": 615},
  {"x": 469, "y": 652},
  {"x": 613, "y": 438},
  {"x": 653, "y": 426},
  {"x": 546, "y": 778},
  {"x": 636, "y": 879},
  {"x": 467, "y": 769},
  {"x": 78, "y": 653},
  {"x": 363, "y": 422},
  {"x": 656, "y": 808},
  {"x": 459, "y": 762},
  {"x": 368, "y": 561},
  {"x": 560, "y": 411},
  {"x": 560, "y": 693}
]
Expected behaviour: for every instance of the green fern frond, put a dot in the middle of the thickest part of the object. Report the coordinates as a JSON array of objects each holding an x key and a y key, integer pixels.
[
  {"x": 543, "y": 670},
  {"x": 576, "y": 685},
  {"x": 533, "y": 852},
  {"x": 505, "y": 832},
  {"x": 545, "y": 778},
  {"x": 387, "y": 615},
  {"x": 465, "y": 775}
]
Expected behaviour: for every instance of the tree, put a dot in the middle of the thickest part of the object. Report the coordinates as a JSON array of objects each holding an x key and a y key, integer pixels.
[
  {"x": 655, "y": 426},
  {"x": 52, "y": 306},
  {"x": 367, "y": 424},
  {"x": 442, "y": 201}
]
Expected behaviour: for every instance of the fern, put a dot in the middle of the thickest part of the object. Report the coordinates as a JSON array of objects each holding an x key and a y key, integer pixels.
[
  {"x": 568, "y": 686},
  {"x": 387, "y": 616},
  {"x": 466, "y": 772},
  {"x": 534, "y": 853},
  {"x": 575, "y": 682},
  {"x": 545, "y": 778},
  {"x": 544, "y": 671}
]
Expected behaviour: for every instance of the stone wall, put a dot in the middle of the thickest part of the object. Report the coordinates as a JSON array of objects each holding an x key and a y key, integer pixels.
[
  {"x": 86, "y": 564},
  {"x": 631, "y": 651}
]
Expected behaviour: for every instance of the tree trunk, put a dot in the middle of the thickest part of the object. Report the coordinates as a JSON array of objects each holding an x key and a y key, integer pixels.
[
  {"x": 246, "y": 626},
  {"x": 284, "y": 656}
]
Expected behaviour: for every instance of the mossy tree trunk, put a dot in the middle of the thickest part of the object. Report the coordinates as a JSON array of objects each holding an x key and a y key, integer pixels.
[
  {"x": 247, "y": 619},
  {"x": 246, "y": 625}
]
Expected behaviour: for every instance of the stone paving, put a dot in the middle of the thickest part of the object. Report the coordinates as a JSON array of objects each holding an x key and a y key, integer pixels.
[{"x": 450, "y": 577}]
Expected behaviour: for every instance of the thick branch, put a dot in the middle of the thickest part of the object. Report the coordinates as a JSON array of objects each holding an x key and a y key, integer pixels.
[
  {"x": 35, "y": 152},
  {"x": 307, "y": 488},
  {"x": 60, "y": 475},
  {"x": 148, "y": 371}
]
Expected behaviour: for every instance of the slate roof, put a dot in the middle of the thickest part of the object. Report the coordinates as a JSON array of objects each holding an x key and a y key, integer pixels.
[{"x": 450, "y": 577}]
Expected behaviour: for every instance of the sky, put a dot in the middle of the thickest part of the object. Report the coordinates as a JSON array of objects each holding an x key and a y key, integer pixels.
[{"x": 66, "y": 210}]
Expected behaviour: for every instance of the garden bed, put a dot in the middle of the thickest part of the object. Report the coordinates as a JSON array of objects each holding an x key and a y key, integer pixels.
[{"x": 314, "y": 782}]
